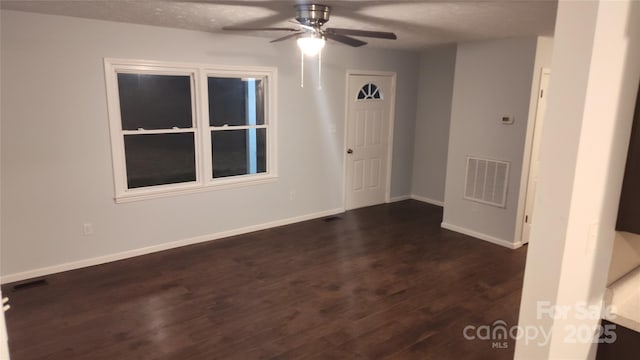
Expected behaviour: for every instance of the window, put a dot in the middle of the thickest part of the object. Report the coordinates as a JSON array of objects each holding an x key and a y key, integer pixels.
[
  {"x": 185, "y": 128},
  {"x": 238, "y": 130},
  {"x": 369, "y": 92}
]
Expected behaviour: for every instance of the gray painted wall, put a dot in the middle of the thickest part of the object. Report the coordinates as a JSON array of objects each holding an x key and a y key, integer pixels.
[
  {"x": 492, "y": 79},
  {"x": 435, "y": 92},
  {"x": 56, "y": 156}
]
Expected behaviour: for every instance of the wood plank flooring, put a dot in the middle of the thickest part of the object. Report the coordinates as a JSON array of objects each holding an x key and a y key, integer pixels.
[{"x": 379, "y": 282}]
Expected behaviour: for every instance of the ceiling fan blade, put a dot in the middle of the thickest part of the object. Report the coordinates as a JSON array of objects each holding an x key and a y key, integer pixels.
[
  {"x": 242, "y": 28},
  {"x": 345, "y": 39},
  {"x": 365, "y": 33},
  {"x": 310, "y": 28},
  {"x": 287, "y": 36}
]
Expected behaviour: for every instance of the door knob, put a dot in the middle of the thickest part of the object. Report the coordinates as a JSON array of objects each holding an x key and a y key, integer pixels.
[{"x": 349, "y": 151}]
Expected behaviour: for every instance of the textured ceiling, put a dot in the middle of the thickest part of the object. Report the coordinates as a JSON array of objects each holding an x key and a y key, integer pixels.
[{"x": 418, "y": 24}]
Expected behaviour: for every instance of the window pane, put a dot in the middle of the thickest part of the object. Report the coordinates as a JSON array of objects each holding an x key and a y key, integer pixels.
[
  {"x": 154, "y": 101},
  {"x": 238, "y": 152},
  {"x": 235, "y": 101},
  {"x": 158, "y": 159}
]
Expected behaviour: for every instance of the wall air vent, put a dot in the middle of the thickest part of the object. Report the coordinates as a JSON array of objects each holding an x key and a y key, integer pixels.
[{"x": 486, "y": 181}]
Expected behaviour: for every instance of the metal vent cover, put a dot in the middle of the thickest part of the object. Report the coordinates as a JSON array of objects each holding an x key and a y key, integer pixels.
[{"x": 486, "y": 181}]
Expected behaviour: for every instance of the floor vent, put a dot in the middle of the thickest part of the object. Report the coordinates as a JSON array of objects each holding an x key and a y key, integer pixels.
[
  {"x": 486, "y": 181},
  {"x": 332, "y": 218},
  {"x": 30, "y": 284}
]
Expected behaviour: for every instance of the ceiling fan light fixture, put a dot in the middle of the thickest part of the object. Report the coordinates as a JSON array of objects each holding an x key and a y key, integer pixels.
[{"x": 311, "y": 45}]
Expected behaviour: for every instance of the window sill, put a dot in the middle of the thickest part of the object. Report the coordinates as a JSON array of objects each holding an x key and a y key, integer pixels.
[{"x": 149, "y": 194}]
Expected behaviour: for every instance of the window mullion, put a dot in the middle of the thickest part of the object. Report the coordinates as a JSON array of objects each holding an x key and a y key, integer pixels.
[
  {"x": 157, "y": 131},
  {"x": 237, "y": 127},
  {"x": 205, "y": 132},
  {"x": 195, "y": 116}
]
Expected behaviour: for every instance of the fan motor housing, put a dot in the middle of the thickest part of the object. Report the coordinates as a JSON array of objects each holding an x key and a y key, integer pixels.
[{"x": 312, "y": 14}]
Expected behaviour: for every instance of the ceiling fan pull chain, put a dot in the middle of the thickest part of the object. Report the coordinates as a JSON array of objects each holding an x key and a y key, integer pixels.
[
  {"x": 301, "y": 69},
  {"x": 320, "y": 70}
]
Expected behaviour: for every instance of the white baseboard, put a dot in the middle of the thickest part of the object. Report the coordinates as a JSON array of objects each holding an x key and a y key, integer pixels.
[
  {"x": 160, "y": 247},
  {"x": 417, "y": 197},
  {"x": 399, "y": 198},
  {"x": 481, "y": 236},
  {"x": 427, "y": 200}
]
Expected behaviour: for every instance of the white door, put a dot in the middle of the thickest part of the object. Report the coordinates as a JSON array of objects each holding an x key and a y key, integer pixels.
[
  {"x": 535, "y": 156},
  {"x": 370, "y": 100}
]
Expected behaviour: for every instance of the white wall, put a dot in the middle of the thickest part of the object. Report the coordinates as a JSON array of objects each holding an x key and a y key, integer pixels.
[
  {"x": 56, "y": 163},
  {"x": 435, "y": 91},
  {"x": 4, "y": 343},
  {"x": 492, "y": 79},
  {"x": 596, "y": 68}
]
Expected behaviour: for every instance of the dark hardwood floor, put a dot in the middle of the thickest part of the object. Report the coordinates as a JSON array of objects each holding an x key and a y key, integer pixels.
[{"x": 378, "y": 282}]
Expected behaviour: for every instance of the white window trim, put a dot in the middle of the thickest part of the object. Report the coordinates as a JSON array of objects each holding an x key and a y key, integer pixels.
[{"x": 201, "y": 128}]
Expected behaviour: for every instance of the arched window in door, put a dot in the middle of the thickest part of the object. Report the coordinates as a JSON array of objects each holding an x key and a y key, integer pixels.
[{"x": 370, "y": 92}]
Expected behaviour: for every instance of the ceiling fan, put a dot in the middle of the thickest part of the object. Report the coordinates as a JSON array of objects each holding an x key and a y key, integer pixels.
[{"x": 311, "y": 35}]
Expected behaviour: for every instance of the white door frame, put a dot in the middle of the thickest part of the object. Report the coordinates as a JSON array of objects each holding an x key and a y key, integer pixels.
[
  {"x": 526, "y": 160},
  {"x": 392, "y": 118}
]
